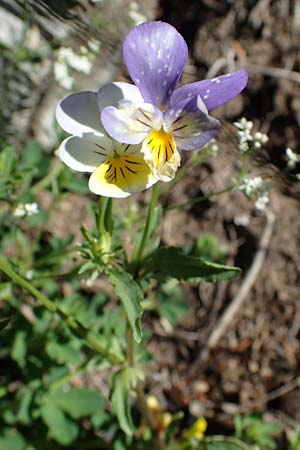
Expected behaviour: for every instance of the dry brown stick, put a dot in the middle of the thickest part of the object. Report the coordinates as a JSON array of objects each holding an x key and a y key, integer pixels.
[
  {"x": 237, "y": 302},
  {"x": 279, "y": 392},
  {"x": 275, "y": 72}
]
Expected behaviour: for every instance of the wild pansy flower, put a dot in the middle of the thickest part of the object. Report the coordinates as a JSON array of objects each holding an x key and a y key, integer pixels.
[
  {"x": 118, "y": 169},
  {"x": 156, "y": 114}
]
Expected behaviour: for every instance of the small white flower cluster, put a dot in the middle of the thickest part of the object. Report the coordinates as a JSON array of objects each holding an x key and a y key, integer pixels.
[
  {"x": 256, "y": 189},
  {"x": 292, "y": 158},
  {"x": 135, "y": 15},
  {"x": 26, "y": 209},
  {"x": 67, "y": 60},
  {"x": 249, "y": 142}
]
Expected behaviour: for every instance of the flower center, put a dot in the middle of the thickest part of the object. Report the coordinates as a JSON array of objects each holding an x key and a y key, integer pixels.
[
  {"x": 125, "y": 170},
  {"x": 161, "y": 145}
]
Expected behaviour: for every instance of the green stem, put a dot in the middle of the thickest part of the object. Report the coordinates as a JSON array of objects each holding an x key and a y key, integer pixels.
[
  {"x": 27, "y": 286},
  {"x": 130, "y": 346},
  {"x": 201, "y": 199},
  {"x": 141, "y": 398},
  {"x": 103, "y": 202},
  {"x": 138, "y": 255},
  {"x": 90, "y": 339}
]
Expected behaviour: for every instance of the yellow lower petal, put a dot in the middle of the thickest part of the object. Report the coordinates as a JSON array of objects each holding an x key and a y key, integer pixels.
[
  {"x": 120, "y": 176},
  {"x": 161, "y": 154}
]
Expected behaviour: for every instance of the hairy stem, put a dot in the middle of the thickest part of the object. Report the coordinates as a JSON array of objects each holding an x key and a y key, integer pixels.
[
  {"x": 141, "y": 399},
  {"x": 201, "y": 199},
  {"x": 138, "y": 255},
  {"x": 91, "y": 340},
  {"x": 130, "y": 346},
  {"x": 103, "y": 202}
]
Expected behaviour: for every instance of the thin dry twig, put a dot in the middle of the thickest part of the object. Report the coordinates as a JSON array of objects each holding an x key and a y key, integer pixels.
[
  {"x": 237, "y": 302},
  {"x": 275, "y": 72},
  {"x": 279, "y": 392}
]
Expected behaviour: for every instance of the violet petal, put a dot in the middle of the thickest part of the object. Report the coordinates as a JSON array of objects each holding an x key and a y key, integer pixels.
[
  {"x": 214, "y": 92},
  {"x": 191, "y": 125},
  {"x": 155, "y": 55}
]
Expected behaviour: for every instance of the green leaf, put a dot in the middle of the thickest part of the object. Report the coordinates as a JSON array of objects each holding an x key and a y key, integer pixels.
[
  {"x": 10, "y": 439},
  {"x": 8, "y": 159},
  {"x": 26, "y": 396},
  {"x": 67, "y": 352},
  {"x": 222, "y": 443},
  {"x": 33, "y": 156},
  {"x": 63, "y": 430},
  {"x": 19, "y": 348},
  {"x": 78, "y": 402},
  {"x": 171, "y": 262},
  {"x": 131, "y": 297},
  {"x": 122, "y": 383}
]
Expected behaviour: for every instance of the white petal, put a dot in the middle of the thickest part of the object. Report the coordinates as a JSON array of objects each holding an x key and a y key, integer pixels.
[
  {"x": 113, "y": 93},
  {"x": 79, "y": 113},
  {"x": 131, "y": 122},
  {"x": 84, "y": 154}
]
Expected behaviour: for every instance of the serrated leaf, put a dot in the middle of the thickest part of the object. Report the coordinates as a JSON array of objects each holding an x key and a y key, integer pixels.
[
  {"x": 169, "y": 261},
  {"x": 131, "y": 297},
  {"x": 122, "y": 383},
  {"x": 63, "y": 430},
  {"x": 78, "y": 402},
  {"x": 222, "y": 443}
]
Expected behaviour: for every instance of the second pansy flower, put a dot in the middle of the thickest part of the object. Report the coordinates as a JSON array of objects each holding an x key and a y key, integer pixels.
[{"x": 155, "y": 114}]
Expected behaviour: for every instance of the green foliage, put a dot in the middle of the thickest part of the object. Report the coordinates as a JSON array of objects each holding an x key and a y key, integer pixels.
[
  {"x": 294, "y": 440},
  {"x": 77, "y": 402},
  {"x": 254, "y": 430},
  {"x": 10, "y": 439},
  {"x": 169, "y": 261},
  {"x": 122, "y": 383},
  {"x": 62, "y": 429},
  {"x": 208, "y": 247},
  {"x": 177, "y": 307},
  {"x": 221, "y": 443},
  {"x": 131, "y": 297}
]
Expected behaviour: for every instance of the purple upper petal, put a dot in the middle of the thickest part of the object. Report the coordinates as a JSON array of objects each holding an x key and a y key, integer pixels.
[
  {"x": 155, "y": 55},
  {"x": 215, "y": 92}
]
